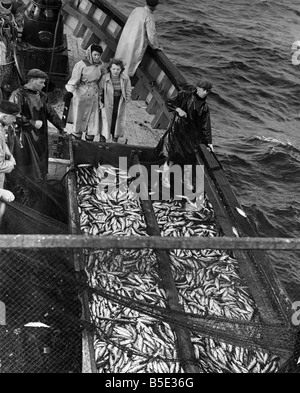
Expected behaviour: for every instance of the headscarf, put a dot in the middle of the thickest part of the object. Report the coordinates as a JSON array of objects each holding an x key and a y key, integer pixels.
[{"x": 88, "y": 55}]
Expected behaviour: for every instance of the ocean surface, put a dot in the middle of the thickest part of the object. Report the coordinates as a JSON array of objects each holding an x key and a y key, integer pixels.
[{"x": 248, "y": 51}]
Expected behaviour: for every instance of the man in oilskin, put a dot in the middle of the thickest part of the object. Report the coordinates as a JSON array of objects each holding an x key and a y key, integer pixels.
[
  {"x": 138, "y": 32},
  {"x": 189, "y": 127},
  {"x": 30, "y": 141}
]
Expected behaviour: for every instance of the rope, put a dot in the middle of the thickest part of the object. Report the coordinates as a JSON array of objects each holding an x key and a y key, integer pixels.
[
  {"x": 53, "y": 48},
  {"x": 252, "y": 335}
]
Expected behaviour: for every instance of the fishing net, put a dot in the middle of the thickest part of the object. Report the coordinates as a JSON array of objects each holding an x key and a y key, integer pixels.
[
  {"x": 40, "y": 335},
  {"x": 38, "y": 206},
  {"x": 131, "y": 325},
  {"x": 41, "y": 331},
  {"x": 130, "y": 304},
  {"x": 215, "y": 327}
]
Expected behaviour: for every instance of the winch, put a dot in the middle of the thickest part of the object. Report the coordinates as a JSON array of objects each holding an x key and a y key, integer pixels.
[{"x": 43, "y": 44}]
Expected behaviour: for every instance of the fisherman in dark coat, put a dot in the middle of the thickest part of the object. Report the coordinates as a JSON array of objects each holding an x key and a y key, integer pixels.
[
  {"x": 30, "y": 142},
  {"x": 190, "y": 125}
]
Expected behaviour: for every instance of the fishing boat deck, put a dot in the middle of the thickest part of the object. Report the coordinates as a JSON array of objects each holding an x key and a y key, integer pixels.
[
  {"x": 264, "y": 293},
  {"x": 141, "y": 131}
]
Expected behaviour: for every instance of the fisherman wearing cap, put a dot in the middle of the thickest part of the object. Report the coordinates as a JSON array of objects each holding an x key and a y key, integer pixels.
[
  {"x": 30, "y": 142},
  {"x": 138, "y": 32},
  {"x": 189, "y": 128},
  {"x": 190, "y": 125},
  {"x": 8, "y": 115}
]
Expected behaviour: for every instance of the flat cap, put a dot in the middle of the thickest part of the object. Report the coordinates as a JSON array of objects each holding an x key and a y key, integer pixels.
[
  {"x": 206, "y": 85},
  {"x": 36, "y": 73},
  {"x": 9, "y": 108}
]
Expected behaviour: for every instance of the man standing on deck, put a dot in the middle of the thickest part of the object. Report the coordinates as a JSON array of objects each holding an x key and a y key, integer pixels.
[
  {"x": 190, "y": 127},
  {"x": 30, "y": 140},
  {"x": 138, "y": 32}
]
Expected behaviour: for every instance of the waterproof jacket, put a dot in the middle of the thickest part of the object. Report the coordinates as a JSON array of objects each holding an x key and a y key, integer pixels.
[
  {"x": 30, "y": 145},
  {"x": 138, "y": 32},
  {"x": 184, "y": 134},
  {"x": 84, "y": 84},
  {"x": 107, "y": 99}
]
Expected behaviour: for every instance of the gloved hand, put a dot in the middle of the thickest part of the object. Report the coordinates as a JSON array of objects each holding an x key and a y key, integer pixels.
[{"x": 67, "y": 97}]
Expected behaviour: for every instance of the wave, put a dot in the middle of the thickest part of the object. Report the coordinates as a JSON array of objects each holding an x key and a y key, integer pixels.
[
  {"x": 182, "y": 29},
  {"x": 271, "y": 141}
]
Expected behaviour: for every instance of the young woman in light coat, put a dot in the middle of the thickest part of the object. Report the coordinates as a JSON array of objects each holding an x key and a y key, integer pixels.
[
  {"x": 84, "y": 86},
  {"x": 115, "y": 92}
]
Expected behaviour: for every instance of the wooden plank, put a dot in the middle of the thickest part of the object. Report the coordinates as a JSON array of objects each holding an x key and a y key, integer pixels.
[
  {"x": 152, "y": 107},
  {"x": 184, "y": 344},
  {"x": 88, "y": 351},
  {"x": 86, "y": 7},
  {"x": 106, "y": 242},
  {"x": 164, "y": 85},
  {"x": 163, "y": 116},
  {"x": 79, "y": 30},
  {"x": 161, "y": 119},
  {"x": 94, "y": 27},
  {"x": 107, "y": 55},
  {"x": 89, "y": 39},
  {"x": 150, "y": 67},
  {"x": 110, "y": 10},
  {"x": 140, "y": 91},
  {"x": 71, "y": 22},
  {"x": 257, "y": 266},
  {"x": 248, "y": 269},
  {"x": 168, "y": 67}
]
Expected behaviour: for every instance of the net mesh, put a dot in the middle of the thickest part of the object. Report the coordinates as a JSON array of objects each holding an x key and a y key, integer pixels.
[
  {"x": 131, "y": 306},
  {"x": 38, "y": 287},
  {"x": 134, "y": 329}
]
